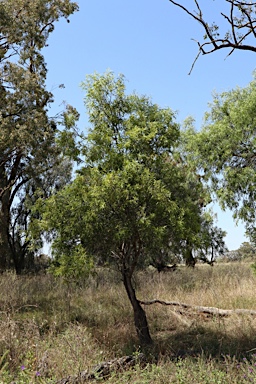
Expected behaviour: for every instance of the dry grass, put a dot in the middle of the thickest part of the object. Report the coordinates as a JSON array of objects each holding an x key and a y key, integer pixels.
[{"x": 53, "y": 329}]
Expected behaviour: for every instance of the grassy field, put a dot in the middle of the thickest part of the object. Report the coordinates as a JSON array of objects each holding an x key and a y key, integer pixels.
[{"x": 50, "y": 329}]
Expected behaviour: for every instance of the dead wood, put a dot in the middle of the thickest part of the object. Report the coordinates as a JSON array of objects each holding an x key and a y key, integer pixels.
[
  {"x": 200, "y": 309},
  {"x": 105, "y": 369}
]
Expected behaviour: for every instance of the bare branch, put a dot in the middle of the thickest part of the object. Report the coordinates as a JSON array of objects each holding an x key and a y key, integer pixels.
[
  {"x": 241, "y": 24},
  {"x": 238, "y": 3},
  {"x": 231, "y": 21},
  {"x": 193, "y": 64}
]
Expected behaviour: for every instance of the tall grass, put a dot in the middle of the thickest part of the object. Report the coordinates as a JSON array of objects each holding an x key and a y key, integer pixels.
[{"x": 50, "y": 329}]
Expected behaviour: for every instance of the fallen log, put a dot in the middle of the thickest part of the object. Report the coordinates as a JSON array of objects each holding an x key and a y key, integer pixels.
[
  {"x": 200, "y": 309},
  {"x": 105, "y": 369}
]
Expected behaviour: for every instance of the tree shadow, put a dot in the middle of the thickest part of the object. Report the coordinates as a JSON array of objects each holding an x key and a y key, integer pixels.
[{"x": 201, "y": 340}]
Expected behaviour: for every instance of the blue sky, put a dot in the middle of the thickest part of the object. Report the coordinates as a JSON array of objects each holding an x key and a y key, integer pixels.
[{"x": 149, "y": 41}]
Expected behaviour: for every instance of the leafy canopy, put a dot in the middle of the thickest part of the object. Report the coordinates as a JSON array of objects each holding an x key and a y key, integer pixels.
[
  {"x": 135, "y": 196},
  {"x": 225, "y": 151}
]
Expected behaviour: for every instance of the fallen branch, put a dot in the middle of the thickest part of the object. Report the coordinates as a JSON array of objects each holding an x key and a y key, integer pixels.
[
  {"x": 104, "y": 370},
  {"x": 208, "y": 310}
]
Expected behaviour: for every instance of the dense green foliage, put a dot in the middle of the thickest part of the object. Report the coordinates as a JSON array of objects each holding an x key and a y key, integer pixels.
[
  {"x": 30, "y": 159},
  {"x": 134, "y": 195},
  {"x": 225, "y": 148}
]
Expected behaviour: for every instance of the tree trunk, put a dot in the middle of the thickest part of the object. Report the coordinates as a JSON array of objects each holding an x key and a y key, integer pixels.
[
  {"x": 189, "y": 259},
  {"x": 18, "y": 258},
  {"x": 5, "y": 248},
  {"x": 12, "y": 255},
  {"x": 140, "y": 319}
]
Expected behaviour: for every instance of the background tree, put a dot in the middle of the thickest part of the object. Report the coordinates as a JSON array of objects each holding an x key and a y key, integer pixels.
[
  {"x": 225, "y": 152},
  {"x": 134, "y": 197},
  {"x": 207, "y": 245},
  {"x": 211, "y": 243},
  {"x": 30, "y": 159},
  {"x": 247, "y": 251},
  {"x": 240, "y": 18}
]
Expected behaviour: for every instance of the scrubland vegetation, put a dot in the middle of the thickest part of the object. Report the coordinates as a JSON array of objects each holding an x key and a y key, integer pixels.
[
  {"x": 51, "y": 329},
  {"x": 131, "y": 191}
]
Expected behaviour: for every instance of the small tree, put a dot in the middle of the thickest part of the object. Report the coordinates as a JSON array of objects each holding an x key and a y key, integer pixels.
[{"x": 133, "y": 197}]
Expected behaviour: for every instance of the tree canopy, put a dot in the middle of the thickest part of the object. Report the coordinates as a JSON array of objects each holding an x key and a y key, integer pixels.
[
  {"x": 225, "y": 151},
  {"x": 29, "y": 155}
]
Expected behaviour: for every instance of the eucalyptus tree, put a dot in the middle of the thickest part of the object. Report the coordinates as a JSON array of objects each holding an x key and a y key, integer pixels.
[
  {"x": 134, "y": 197},
  {"x": 29, "y": 154}
]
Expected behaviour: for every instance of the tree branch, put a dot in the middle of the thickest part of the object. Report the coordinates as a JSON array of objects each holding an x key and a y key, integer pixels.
[
  {"x": 208, "y": 310},
  {"x": 233, "y": 39},
  {"x": 105, "y": 369}
]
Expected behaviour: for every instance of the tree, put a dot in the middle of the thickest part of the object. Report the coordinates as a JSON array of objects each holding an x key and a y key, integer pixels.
[
  {"x": 208, "y": 243},
  {"x": 241, "y": 23},
  {"x": 133, "y": 198},
  {"x": 30, "y": 159},
  {"x": 211, "y": 242},
  {"x": 247, "y": 250},
  {"x": 225, "y": 152}
]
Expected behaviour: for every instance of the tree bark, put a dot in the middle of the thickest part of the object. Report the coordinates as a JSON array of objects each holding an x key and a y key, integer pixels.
[
  {"x": 11, "y": 253},
  {"x": 189, "y": 259},
  {"x": 5, "y": 249},
  {"x": 140, "y": 318}
]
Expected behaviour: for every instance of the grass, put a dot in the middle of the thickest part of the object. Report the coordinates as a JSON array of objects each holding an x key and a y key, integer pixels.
[{"x": 50, "y": 329}]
